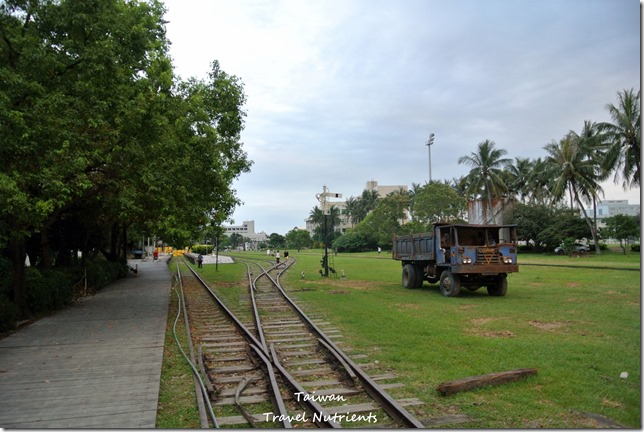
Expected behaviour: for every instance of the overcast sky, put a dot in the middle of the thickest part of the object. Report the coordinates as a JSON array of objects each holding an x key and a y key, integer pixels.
[{"x": 347, "y": 91}]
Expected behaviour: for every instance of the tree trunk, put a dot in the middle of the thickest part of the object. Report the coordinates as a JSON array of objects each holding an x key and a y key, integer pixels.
[
  {"x": 46, "y": 251},
  {"x": 114, "y": 239},
  {"x": 124, "y": 240},
  {"x": 593, "y": 229},
  {"x": 18, "y": 255}
]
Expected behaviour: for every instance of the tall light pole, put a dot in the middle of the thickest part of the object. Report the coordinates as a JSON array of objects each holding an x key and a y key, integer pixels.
[{"x": 430, "y": 141}]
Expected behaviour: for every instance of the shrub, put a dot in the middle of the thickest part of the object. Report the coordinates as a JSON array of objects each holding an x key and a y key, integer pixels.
[
  {"x": 635, "y": 248},
  {"x": 201, "y": 249},
  {"x": 48, "y": 289},
  {"x": 5, "y": 275},
  {"x": 8, "y": 314},
  {"x": 38, "y": 296},
  {"x": 101, "y": 273},
  {"x": 351, "y": 242}
]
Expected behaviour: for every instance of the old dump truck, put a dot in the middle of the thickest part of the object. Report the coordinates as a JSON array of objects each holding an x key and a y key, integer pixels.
[{"x": 459, "y": 255}]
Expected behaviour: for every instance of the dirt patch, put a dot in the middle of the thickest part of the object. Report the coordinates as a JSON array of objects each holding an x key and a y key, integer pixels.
[
  {"x": 481, "y": 321},
  {"x": 338, "y": 291},
  {"x": 492, "y": 334},
  {"x": 342, "y": 283},
  {"x": 612, "y": 404},
  {"x": 548, "y": 326}
]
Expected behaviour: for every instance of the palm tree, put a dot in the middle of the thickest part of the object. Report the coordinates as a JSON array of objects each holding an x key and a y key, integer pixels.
[
  {"x": 369, "y": 200},
  {"x": 540, "y": 180},
  {"x": 413, "y": 192},
  {"x": 316, "y": 216},
  {"x": 486, "y": 176},
  {"x": 625, "y": 137},
  {"x": 352, "y": 209},
  {"x": 577, "y": 174},
  {"x": 334, "y": 217},
  {"x": 518, "y": 175},
  {"x": 594, "y": 144}
]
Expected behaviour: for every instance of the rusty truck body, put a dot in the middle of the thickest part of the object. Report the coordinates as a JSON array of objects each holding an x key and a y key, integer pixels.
[{"x": 459, "y": 255}]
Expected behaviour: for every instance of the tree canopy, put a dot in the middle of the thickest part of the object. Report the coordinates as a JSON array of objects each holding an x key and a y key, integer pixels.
[{"x": 98, "y": 134}]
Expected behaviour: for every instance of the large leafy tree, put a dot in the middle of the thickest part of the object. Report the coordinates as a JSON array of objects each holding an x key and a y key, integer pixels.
[
  {"x": 623, "y": 228},
  {"x": 298, "y": 239},
  {"x": 438, "y": 202},
  {"x": 625, "y": 137},
  {"x": 384, "y": 221},
  {"x": 73, "y": 68},
  {"x": 96, "y": 135}
]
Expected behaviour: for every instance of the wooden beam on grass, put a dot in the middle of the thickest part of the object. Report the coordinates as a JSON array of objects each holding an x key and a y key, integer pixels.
[{"x": 496, "y": 378}]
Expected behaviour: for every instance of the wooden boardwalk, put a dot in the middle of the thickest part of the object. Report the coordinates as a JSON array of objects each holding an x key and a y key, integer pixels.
[{"x": 95, "y": 364}]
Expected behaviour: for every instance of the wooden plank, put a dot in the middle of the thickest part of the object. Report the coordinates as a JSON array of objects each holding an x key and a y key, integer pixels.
[{"x": 496, "y": 378}]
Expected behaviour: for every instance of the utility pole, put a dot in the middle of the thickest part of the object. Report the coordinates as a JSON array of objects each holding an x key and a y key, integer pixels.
[
  {"x": 325, "y": 211},
  {"x": 430, "y": 141}
]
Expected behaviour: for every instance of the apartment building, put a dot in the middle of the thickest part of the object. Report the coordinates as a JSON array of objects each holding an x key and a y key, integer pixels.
[
  {"x": 610, "y": 208},
  {"x": 246, "y": 230},
  {"x": 345, "y": 221}
]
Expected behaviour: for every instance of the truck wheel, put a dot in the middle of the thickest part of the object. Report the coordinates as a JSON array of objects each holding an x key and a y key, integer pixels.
[
  {"x": 500, "y": 288},
  {"x": 420, "y": 276},
  {"x": 450, "y": 284},
  {"x": 409, "y": 276}
]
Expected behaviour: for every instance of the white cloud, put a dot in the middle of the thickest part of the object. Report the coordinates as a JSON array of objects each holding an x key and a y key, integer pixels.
[{"x": 342, "y": 92}]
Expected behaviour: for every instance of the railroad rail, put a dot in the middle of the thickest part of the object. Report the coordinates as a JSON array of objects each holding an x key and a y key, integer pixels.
[{"x": 270, "y": 365}]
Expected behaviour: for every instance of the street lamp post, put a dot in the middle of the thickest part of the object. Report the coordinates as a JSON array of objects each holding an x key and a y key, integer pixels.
[{"x": 430, "y": 141}]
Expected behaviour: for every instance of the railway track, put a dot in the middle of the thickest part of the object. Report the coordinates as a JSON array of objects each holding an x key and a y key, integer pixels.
[{"x": 267, "y": 364}]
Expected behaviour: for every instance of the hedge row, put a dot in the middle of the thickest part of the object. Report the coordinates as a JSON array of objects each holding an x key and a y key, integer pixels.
[
  {"x": 201, "y": 249},
  {"x": 52, "y": 289}
]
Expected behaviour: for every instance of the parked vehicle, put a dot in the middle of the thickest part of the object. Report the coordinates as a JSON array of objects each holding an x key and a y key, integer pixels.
[
  {"x": 579, "y": 247},
  {"x": 459, "y": 255}
]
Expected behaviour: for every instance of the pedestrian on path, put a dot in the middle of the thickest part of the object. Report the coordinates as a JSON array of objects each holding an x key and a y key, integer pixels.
[
  {"x": 199, "y": 261},
  {"x": 277, "y": 256}
]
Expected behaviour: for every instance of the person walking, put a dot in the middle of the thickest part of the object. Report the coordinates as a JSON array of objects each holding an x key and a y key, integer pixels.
[
  {"x": 277, "y": 256},
  {"x": 199, "y": 261}
]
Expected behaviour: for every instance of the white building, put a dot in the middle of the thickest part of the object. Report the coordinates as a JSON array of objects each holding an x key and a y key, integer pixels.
[
  {"x": 610, "y": 208},
  {"x": 345, "y": 221},
  {"x": 247, "y": 231}
]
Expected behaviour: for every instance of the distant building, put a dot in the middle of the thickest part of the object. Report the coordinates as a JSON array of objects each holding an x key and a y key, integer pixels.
[
  {"x": 246, "y": 230},
  {"x": 610, "y": 208},
  {"x": 345, "y": 221}
]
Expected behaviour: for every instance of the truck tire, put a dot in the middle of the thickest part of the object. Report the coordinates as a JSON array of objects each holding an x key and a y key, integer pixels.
[
  {"x": 420, "y": 276},
  {"x": 500, "y": 288},
  {"x": 450, "y": 284},
  {"x": 409, "y": 276}
]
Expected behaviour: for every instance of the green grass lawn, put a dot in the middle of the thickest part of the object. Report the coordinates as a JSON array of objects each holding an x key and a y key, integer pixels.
[{"x": 579, "y": 327}]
